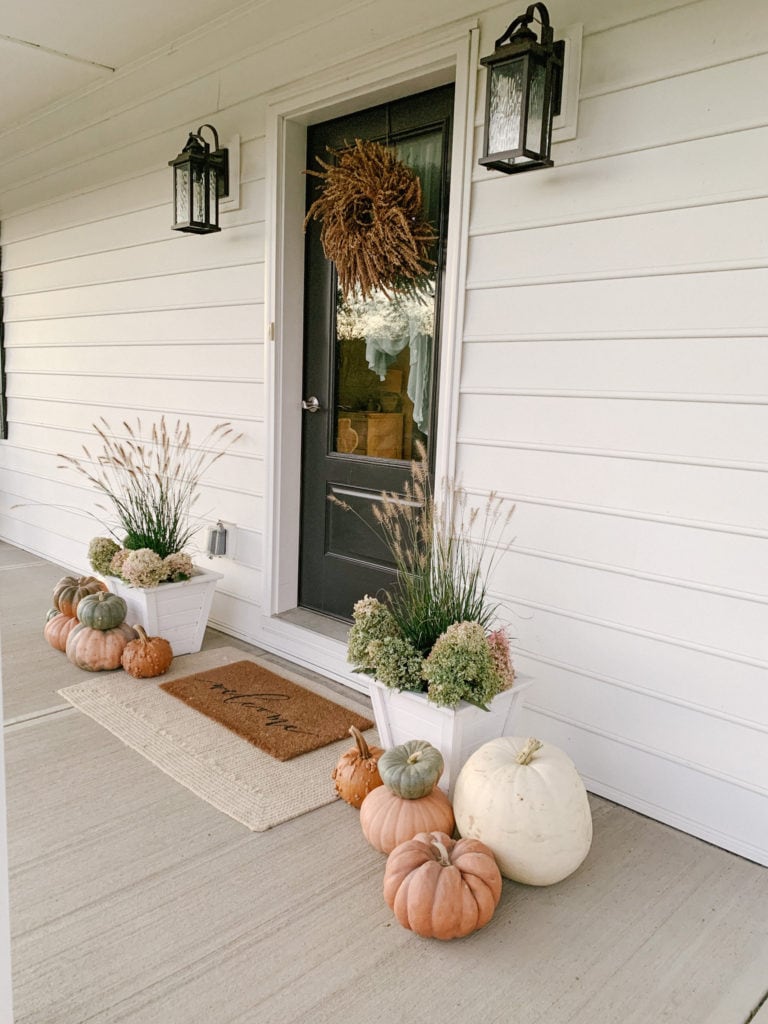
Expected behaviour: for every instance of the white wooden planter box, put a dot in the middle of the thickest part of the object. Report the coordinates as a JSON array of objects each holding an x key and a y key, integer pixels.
[
  {"x": 456, "y": 732},
  {"x": 177, "y": 611}
]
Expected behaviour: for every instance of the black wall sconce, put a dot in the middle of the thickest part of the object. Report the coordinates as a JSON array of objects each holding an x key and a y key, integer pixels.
[
  {"x": 523, "y": 93},
  {"x": 200, "y": 179}
]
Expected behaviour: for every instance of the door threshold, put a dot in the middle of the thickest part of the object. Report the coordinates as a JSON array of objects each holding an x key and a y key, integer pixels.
[{"x": 316, "y": 622}]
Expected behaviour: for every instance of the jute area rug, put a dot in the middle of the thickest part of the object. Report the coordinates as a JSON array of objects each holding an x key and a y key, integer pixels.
[{"x": 209, "y": 759}]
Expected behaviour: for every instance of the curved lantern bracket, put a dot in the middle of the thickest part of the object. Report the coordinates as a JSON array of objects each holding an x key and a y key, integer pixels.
[
  {"x": 200, "y": 180},
  {"x": 523, "y": 93}
]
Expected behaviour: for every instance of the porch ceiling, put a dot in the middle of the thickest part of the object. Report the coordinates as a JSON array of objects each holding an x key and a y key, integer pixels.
[{"x": 49, "y": 51}]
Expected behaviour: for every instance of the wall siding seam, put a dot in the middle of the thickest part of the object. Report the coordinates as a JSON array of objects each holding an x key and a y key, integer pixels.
[
  {"x": 631, "y": 274},
  {"x": 676, "y": 334},
  {"x": 84, "y": 286},
  {"x": 617, "y": 213},
  {"x": 127, "y": 375},
  {"x": 154, "y": 344},
  {"x": 87, "y": 254},
  {"x": 654, "y": 752},
  {"x": 510, "y": 600},
  {"x": 136, "y": 310},
  {"x": 140, "y": 409},
  {"x": 649, "y": 577},
  {"x": 610, "y": 453},
  {"x": 628, "y": 396},
  {"x": 586, "y": 95},
  {"x": 656, "y": 695},
  {"x": 688, "y": 524}
]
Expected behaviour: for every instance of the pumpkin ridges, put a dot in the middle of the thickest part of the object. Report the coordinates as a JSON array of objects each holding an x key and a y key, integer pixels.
[
  {"x": 57, "y": 629},
  {"x": 388, "y": 820},
  {"x": 70, "y": 590},
  {"x": 429, "y": 893},
  {"x": 147, "y": 656},
  {"x": 357, "y": 772}
]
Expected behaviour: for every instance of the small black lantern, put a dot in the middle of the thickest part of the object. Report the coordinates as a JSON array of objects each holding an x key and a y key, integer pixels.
[
  {"x": 200, "y": 179},
  {"x": 523, "y": 93}
]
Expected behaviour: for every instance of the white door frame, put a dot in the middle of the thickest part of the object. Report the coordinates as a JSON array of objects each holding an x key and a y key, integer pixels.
[{"x": 415, "y": 64}]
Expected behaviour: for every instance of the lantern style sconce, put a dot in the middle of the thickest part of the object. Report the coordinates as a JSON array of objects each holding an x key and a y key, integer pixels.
[
  {"x": 523, "y": 93},
  {"x": 200, "y": 179}
]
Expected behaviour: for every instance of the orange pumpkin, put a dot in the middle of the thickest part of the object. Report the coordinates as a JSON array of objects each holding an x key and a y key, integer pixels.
[
  {"x": 388, "y": 820},
  {"x": 98, "y": 650},
  {"x": 148, "y": 656},
  {"x": 442, "y": 889},
  {"x": 57, "y": 629},
  {"x": 71, "y": 589},
  {"x": 357, "y": 772}
]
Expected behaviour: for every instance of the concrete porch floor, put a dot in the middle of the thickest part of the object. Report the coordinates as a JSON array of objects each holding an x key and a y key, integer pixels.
[{"x": 134, "y": 901}]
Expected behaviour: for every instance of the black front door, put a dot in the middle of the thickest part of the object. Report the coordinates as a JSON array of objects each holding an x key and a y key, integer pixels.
[{"x": 370, "y": 368}]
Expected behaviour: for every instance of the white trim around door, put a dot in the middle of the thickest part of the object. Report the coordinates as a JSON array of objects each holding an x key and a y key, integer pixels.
[{"x": 449, "y": 54}]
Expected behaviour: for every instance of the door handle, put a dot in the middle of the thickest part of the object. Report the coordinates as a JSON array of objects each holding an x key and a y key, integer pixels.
[{"x": 311, "y": 404}]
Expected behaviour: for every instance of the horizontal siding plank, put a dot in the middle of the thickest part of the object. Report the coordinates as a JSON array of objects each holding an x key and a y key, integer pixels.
[
  {"x": 670, "y": 673},
  {"x": 61, "y": 415},
  {"x": 207, "y": 398},
  {"x": 724, "y": 748},
  {"x": 168, "y": 327},
  {"x": 714, "y": 432},
  {"x": 709, "y": 237},
  {"x": 733, "y": 499},
  {"x": 695, "y": 367},
  {"x": 683, "y": 555},
  {"x": 695, "y": 618},
  {"x": 120, "y": 245},
  {"x": 656, "y": 305},
  {"x": 172, "y": 254},
  {"x": 203, "y": 360},
  {"x": 685, "y": 38},
  {"x": 661, "y": 113},
  {"x": 693, "y": 173},
  {"x": 242, "y": 284}
]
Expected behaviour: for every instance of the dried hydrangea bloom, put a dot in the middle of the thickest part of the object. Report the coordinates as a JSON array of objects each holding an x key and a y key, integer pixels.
[
  {"x": 101, "y": 551},
  {"x": 461, "y": 667},
  {"x": 397, "y": 663},
  {"x": 178, "y": 567},
  {"x": 498, "y": 642},
  {"x": 143, "y": 568},
  {"x": 118, "y": 560},
  {"x": 373, "y": 621}
]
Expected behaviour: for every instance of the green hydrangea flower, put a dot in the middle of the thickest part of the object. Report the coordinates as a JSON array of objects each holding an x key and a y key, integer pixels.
[
  {"x": 101, "y": 551},
  {"x": 461, "y": 666}
]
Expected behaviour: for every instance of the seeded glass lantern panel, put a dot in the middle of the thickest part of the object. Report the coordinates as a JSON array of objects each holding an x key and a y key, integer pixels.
[
  {"x": 199, "y": 181},
  {"x": 522, "y": 96}
]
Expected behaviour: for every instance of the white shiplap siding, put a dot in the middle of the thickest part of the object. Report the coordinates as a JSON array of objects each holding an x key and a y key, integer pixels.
[
  {"x": 613, "y": 385},
  {"x": 612, "y": 358}
]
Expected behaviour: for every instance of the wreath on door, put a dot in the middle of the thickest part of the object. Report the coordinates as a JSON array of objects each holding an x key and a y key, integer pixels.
[{"x": 373, "y": 225}]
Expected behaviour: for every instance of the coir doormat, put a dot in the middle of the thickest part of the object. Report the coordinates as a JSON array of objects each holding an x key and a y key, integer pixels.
[{"x": 276, "y": 715}]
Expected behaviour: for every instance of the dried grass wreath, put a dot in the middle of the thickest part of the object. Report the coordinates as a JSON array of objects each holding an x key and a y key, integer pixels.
[{"x": 373, "y": 227}]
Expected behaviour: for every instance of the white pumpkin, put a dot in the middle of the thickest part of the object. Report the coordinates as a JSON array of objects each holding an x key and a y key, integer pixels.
[{"x": 525, "y": 800}]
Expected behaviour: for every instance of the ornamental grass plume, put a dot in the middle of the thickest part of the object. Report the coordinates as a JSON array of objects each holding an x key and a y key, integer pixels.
[
  {"x": 152, "y": 485},
  {"x": 432, "y": 632}
]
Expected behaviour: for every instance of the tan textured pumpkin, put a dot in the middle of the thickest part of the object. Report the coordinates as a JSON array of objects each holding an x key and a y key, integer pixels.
[
  {"x": 70, "y": 590},
  {"x": 388, "y": 820},
  {"x": 357, "y": 772},
  {"x": 148, "y": 656},
  {"x": 57, "y": 629},
  {"x": 442, "y": 889},
  {"x": 98, "y": 650}
]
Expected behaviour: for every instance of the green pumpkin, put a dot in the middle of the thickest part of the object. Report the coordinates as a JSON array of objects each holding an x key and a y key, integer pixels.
[
  {"x": 102, "y": 611},
  {"x": 411, "y": 770}
]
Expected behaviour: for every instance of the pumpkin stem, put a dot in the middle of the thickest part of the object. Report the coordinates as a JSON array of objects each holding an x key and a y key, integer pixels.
[
  {"x": 362, "y": 746},
  {"x": 415, "y": 756},
  {"x": 443, "y": 857},
  {"x": 141, "y": 631},
  {"x": 526, "y": 754}
]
